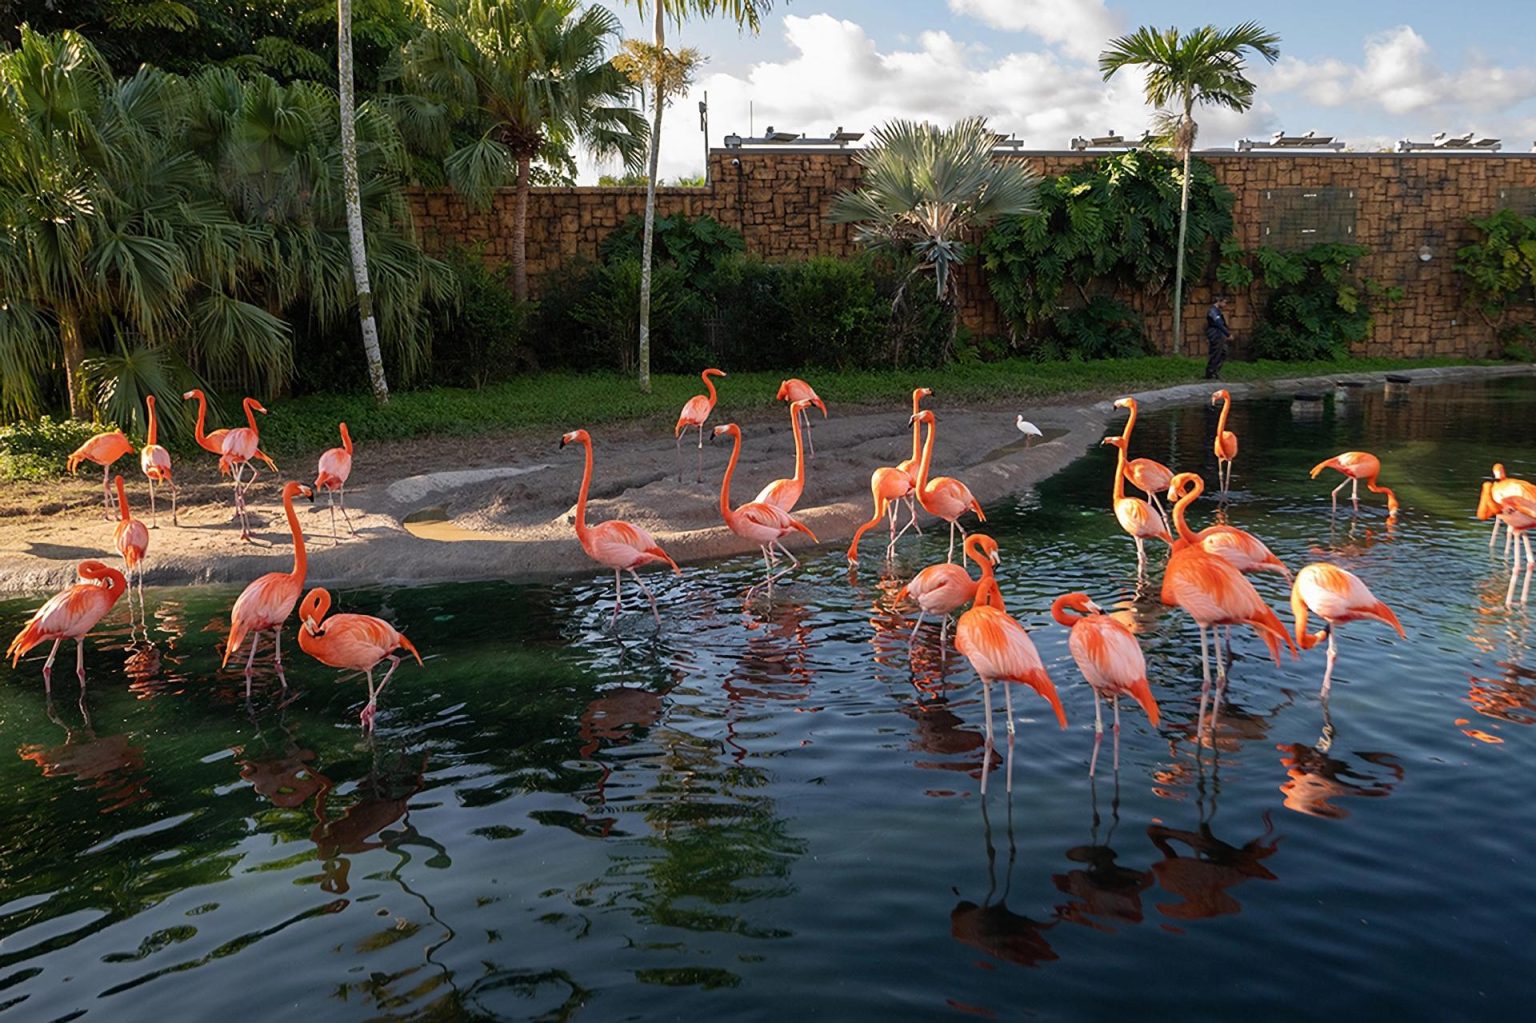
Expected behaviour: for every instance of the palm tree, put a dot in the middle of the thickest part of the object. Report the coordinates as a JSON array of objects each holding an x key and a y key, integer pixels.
[
  {"x": 1203, "y": 66},
  {"x": 925, "y": 189},
  {"x": 531, "y": 78},
  {"x": 746, "y": 14},
  {"x": 356, "y": 244}
]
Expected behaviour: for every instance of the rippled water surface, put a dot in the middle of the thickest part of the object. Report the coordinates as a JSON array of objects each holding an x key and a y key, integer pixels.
[{"x": 776, "y": 809}]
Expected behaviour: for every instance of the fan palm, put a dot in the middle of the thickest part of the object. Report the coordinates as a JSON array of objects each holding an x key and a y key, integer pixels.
[
  {"x": 532, "y": 79},
  {"x": 925, "y": 189},
  {"x": 1185, "y": 69}
]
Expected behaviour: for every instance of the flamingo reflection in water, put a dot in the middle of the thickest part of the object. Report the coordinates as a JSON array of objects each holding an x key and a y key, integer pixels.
[
  {"x": 990, "y": 926},
  {"x": 110, "y": 764},
  {"x": 284, "y": 776},
  {"x": 1106, "y": 893},
  {"x": 1315, "y": 777},
  {"x": 614, "y": 718},
  {"x": 383, "y": 799}
]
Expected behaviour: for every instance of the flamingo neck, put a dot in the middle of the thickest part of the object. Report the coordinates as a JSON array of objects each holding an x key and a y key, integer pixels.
[
  {"x": 300, "y": 559},
  {"x": 1221, "y": 421},
  {"x": 586, "y": 484},
  {"x": 202, "y": 416},
  {"x": 122, "y": 502},
  {"x": 1180, "y": 522},
  {"x": 709, "y": 385},
  {"x": 346, "y": 439},
  {"x": 153, "y": 425},
  {"x": 725, "y": 481},
  {"x": 794, "y": 424},
  {"x": 1130, "y": 423},
  {"x": 917, "y": 428},
  {"x": 1060, "y": 607},
  {"x": 927, "y": 460},
  {"x": 987, "y": 592},
  {"x": 250, "y": 414},
  {"x": 1119, "y": 488}
]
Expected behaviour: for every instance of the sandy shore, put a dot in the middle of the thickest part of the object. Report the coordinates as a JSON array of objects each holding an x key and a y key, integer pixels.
[{"x": 507, "y": 501}]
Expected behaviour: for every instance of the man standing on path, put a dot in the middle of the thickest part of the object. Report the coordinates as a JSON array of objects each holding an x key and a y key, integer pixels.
[{"x": 1217, "y": 335}]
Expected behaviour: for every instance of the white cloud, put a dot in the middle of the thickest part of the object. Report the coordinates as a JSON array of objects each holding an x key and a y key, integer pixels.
[{"x": 1080, "y": 28}]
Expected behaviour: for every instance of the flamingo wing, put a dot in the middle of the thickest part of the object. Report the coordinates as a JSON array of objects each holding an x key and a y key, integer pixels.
[
  {"x": 623, "y": 545},
  {"x": 265, "y": 604},
  {"x": 155, "y": 462},
  {"x": 949, "y": 499},
  {"x": 335, "y": 466},
  {"x": 940, "y": 589},
  {"x": 70, "y": 613},
  {"x": 695, "y": 411},
  {"x": 784, "y": 494},
  {"x": 1138, "y": 519},
  {"x": 352, "y": 641},
  {"x": 1340, "y": 596},
  {"x": 1148, "y": 475},
  {"x": 1241, "y": 549}
]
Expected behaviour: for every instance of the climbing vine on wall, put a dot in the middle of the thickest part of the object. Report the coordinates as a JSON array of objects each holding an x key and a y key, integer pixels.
[
  {"x": 1500, "y": 272},
  {"x": 1315, "y": 303}
]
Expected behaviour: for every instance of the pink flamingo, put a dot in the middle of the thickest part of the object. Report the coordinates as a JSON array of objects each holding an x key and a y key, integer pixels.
[
  {"x": 335, "y": 467},
  {"x": 909, "y": 464},
  {"x": 887, "y": 486},
  {"x": 1149, "y": 476},
  {"x": 267, "y": 602},
  {"x": 1238, "y": 547},
  {"x": 155, "y": 461},
  {"x": 1111, "y": 661},
  {"x": 1518, "y": 514},
  {"x": 1504, "y": 486},
  {"x": 132, "y": 541},
  {"x": 1357, "y": 466},
  {"x": 763, "y": 524},
  {"x": 214, "y": 441},
  {"x": 237, "y": 449},
  {"x": 1336, "y": 596},
  {"x": 103, "y": 449},
  {"x": 945, "y": 589},
  {"x": 785, "y": 494},
  {"x": 1225, "y": 444},
  {"x": 943, "y": 496},
  {"x": 614, "y": 544},
  {"x": 352, "y": 642},
  {"x": 795, "y": 389},
  {"x": 70, "y": 614},
  {"x": 1135, "y": 516},
  {"x": 1000, "y": 650},
  {"x": 695, "y": 412}
]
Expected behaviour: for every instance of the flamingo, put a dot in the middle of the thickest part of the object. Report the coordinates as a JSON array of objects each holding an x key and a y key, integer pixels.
[
  {"x": 1111, "y": 661},
  {"x": 946, "y": 588},
  {"x": 614, "y": 544},
  {"x": 214, "y": 441},
  {"x": 237, "y": 449},
  {"x": 1519, "y": 515},
  {"x": 1357, "y": 466},
  {"x": 795, "y": 389},
  {"x": 887, "y": 486},
  {"x": 131, "y": 540},
  {"x": 1000, "y": 650},
  {"x": 785, "y": 494},
  {"x": 695, "y": 411},
  {"x": 335, "y": 467},
  {"x": 1149, "y": 476},
  {"x": 1214, "y": 593},
  {"x": 943, "y": 496},
  {"x": 1225, "y": 445},
  {"x": 764, "y": 524},
  {"x": 1028, "y": 429},
  {"x": 1238, "y": 547},
  {"x": 1336, "y": 596},
  {"x": 155, "y": 461},
  {"x": 1502, "y": 487},
  {"x": 70, "y": 614},
  {"x": 267, "y": 602},
  {"x": 909, "y": 464},
  {"x": 103, "y": 449},
  {"x": 1135, "y": 516},
  {"x": 351, "y": 642}
]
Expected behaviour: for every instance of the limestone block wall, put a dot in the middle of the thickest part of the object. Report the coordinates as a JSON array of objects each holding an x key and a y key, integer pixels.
[{"x": 778, "y": 198}]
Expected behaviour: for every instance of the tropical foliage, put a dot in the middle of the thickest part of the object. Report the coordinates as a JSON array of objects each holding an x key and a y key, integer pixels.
[
  {"x": 1103, "y": 232},
  {"x": 1316, "y": 305},
  {"x": 1500, "y": 273},
  {"x": 1184, "y": 70}
]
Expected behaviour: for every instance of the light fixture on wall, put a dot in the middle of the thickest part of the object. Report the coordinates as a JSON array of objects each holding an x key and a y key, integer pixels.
[{"x": 1425, "y": 254}]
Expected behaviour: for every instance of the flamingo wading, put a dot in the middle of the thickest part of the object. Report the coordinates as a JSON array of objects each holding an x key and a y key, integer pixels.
[
  {"x": 1225, "y": 444},
  {"x": 70, "y": 614},
  {"x": 943, "y": 496},
  {"x": 785, "y": 493},
  {"x": 131, "y": 539},
  {"x": 1147, "y": 475},
  {"x": 1111, "y": 662},
  {"x": 353, "y": 642},
  {"x": 1336, "y": 596},
  {"x": 1357, "y": 466},
  {"x": 265, "y": 604},
  {"x": 763, "y": 524}
]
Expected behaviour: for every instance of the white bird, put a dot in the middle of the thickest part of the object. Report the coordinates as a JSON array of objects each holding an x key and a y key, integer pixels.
[{"x": 1028, "y": 429}]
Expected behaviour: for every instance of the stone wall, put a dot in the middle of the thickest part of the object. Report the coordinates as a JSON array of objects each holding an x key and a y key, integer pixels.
[{"x": 1397, "y": 204}]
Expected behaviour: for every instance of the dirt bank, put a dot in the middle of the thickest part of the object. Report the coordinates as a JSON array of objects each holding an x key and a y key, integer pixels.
[{"x": 508, "y": 499}]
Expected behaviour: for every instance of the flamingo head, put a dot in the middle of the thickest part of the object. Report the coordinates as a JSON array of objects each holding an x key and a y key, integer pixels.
[
  {"x": 1498, "y": 470},
  {"x": 1220, "y": 395},
  {"x": 980, "y": 546},
  {"x": 576, "y": 437},
  {"x": 313, "y": 609},
  {"x": 925, "y": 416},
  {"x": 1079, "y": 602},
  {"x": 293, "y": 489},
  {"x": 1114, "y": 442},
  {"x": 190, "y": 395},
  {"x": 1126, "y": 402},
  {"x": 728, "y": 428},
  {"x": 1185, "y": 483},
  {"x": 919, "y": 393},
  {"x": 712, "y": 372}
]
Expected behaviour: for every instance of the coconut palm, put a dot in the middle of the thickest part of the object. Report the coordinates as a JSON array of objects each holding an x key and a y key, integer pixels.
[
  {"x": 746, "y": 14},
  {"x": 1183, "y": 69},
  {"x": 925, "y": 189},
  {"x": 532, "y": 78},
  {"x": 357, "y": 245}
]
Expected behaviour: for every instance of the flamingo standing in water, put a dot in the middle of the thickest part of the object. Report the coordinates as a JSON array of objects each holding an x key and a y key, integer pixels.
[
  {"x": 1214, "y": 593},
  {"x": 909, "y": 464},
  {"x": 614, "y": 544},
  {"x": 764, "y": 524},
  {"x": 237, "y": 449},
  {"x": 335, "y": 467},
  {"x": 103, "y": 449},
  {"x": 1336, "y": 596},
  {"x": 945, "y": 589},
  {"x": 1149, "y": 476},
  {"x": 943, "y": 496},
  {"x": 70, "y": 614},
  {"x": 887, "y": 486},
  {"x": 695, "y": 411},
  {"x": 155, "y": 461},
  {"x": 1504, "y": 486},
  {"x": 1518, "y": 515},
  {"x": 1135, "y": 516},
  {"x": 132, "y": 541},
  {"x": 1238, "y": 547},
  {"x": 794, "y": 389},
  {"x": 1225, "y": 444},
  {"x": 1000, "y": 650},
  {"x": 214, "y": 441},
  {"x": 352, "y": 642},
  {"x": 1357, "y": 466},
  {"x": 267, "y": 602},
  {"x": 1111, "y": 661},
  {"x": 786, "y": 493}
]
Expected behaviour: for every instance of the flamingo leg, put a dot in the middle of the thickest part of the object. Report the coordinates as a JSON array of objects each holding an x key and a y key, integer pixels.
[
  {"x": 677, "y": 463},
  {"x": 330, "y": 500},
  {"x": 618, "y": 599},
  {"x": 915, "y": 626},
  {"x": 1098, "y": 732},
  {"x": 810, "y": 439},
  {"x": 1008, "y": 707},
  {"x": 48, "y": 667},
  {"x": 277, "y": 656},
  {"x": 1509, "y": 539},
  {"x": 1333, "y": 655},
  {"x": 1141, "y": 557},
  {"x": 106, "y": 494},
  {"x": 912, "y": 507},
  {"x": 1116, "y": 700},
  {"x": 250, "y": 661},
  {"x": 1336, "y": 490},
  {"x": 341, "y": 499},
  {"x": 143, "y": 613},
  {"x": 1514, "y": 573},
  {"x": 1205, "y": 684},
  {"x": 943, "y": 633},
  {"x": 174, "y": 520},
  {"x": 80, "y": 660},
  {"x": 699, "y": 474},
  {"x": 1354, "y": 492},
  {"x": 1525, "y": 591},
  {"x": 154, "y": 521},
  {"x": 1492, "y": 537},
  {"x": 648, "y": 594},
  {"x": 365, "y": 716},
  {"x": 986, "y": 758}
]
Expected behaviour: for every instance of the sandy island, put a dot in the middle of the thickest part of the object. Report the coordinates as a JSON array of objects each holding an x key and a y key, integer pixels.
[{"x": 500, "y": 506}]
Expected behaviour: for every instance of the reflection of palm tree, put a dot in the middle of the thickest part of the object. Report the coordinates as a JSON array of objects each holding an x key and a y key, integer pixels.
[
  {"x": 110, "y": 764},
  {"x": 1105, "y": 889},
  {"x": 991, "y": 926}
]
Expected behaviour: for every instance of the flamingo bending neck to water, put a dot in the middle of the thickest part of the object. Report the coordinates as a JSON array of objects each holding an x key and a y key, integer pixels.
[
  {"x": 103, "y": 449},
  {"x": 353, "y": 642},
  {"x": 695, "y": 411},
  {"x": 1502, "y": 486},
  {"x": 155, "y": 462},
  {"x": 265, "y": 604},
  {"x": 1336, "y": 596},
  {"x": 1518, "y": 513},
  {"x": 795, "y": 390},
  {"x": 1357, "y": 466},
  {"x": 946, "y": 588},
  {"x": 1225, "y": 444},
  {"x": 1237, "y": 547},
  {"x": 764, "y": 524},
  {"x": 943, "y": 496},
  {"x": 785, "y": 493},
  {"x": 70, "y": 614},
  {"x": 614, "y": 544},
  {"x": 1111, "y": 662}
]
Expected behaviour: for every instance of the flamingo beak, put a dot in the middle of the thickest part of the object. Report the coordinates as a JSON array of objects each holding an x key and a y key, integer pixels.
[
  {"x": 1094, "y": 608},
  {"x": 312, "y": 627},
  {"x": 561, "y": 444},
  {"x": 994, "y": 557}
]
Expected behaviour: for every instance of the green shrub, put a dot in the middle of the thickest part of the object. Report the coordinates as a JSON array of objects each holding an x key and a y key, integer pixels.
[
  {"x": 1500, "y": 272},
  {"x": 485, "y": 339},
  {"x": 692, "y": 244},
  {"x": 1316, "y": 305},
  {"x": 1105, "y": 328},
  {"x": 36, "y": 449}
]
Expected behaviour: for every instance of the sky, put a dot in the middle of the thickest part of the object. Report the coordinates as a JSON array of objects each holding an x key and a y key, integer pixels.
[{"x": 1366, "y": 71}]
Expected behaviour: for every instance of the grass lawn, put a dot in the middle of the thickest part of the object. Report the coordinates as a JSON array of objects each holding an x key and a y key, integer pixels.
[{"x": 569, "y": 400}]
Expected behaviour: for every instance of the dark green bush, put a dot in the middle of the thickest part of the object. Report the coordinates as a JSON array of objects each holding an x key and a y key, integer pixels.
[
  {"x": 36, "y": 449},
  {"x": 484, "y": 339},
  {"x": 692, "y": 244},
  {"x": 1105, "y": 328},
  {"x": 1316, "y": 305}
]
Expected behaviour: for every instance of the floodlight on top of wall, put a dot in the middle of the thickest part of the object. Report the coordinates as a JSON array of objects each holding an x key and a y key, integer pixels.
[
  {"x": 1442, "y": 140},
  {"x": 1280, "y": 140}
]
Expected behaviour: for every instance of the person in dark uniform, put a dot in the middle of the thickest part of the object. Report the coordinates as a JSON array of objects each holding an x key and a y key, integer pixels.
[{"x": 1218, "y": 336}]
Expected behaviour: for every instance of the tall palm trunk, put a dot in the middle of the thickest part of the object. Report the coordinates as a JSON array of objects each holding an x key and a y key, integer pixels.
[
  {"x": 520, "y": 229},
  {"x": 1188, "y": 143},
  {"x": 649, "y": 237},
  {"x": 74, "y": 356},
  {"x": 354, "y": 203}
]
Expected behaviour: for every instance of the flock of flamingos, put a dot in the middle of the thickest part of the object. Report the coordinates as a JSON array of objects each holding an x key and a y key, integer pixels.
[{"x": 1204, "y": 575}]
